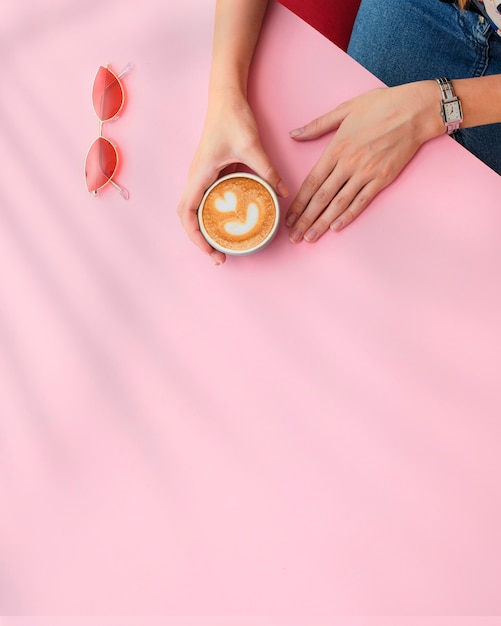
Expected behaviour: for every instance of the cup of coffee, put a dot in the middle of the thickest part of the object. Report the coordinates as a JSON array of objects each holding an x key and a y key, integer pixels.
[{"x": 239, "y": 214}]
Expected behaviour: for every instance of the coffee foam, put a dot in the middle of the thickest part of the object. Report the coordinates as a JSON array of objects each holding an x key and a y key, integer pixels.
[{"x": 239, "y": 213}]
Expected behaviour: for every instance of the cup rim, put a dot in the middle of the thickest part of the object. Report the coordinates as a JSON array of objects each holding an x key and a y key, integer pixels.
[{"x": 268, "y": 237}]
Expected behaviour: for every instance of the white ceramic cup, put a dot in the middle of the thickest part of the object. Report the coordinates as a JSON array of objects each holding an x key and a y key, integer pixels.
[{"x": 239, "y": 214}]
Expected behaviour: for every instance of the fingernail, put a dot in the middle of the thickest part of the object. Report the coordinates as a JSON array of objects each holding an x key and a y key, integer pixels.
[
  {"x": 337, "y": 225},
  {"x": 311, "y": 235},
  {"x": 296, "y": 235},
  {"x": 296, "y": 132},
  {"x": 282, "y": 189},
  {"x": 290, "y": 219}
]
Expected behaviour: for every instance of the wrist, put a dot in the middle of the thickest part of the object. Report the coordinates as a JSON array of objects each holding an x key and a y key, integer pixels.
[
  {"x": 429, "y": 103},
  {"x": 451, "y": 111},
  {"x": 225, "y": 97},
  {"x": 226, "y": 105},
  {"x": 233, "y": 87},
  {"x": 229, "y": 75}
]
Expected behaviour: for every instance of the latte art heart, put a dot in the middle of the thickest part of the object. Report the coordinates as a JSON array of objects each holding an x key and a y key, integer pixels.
[
  {"x": 227, "y": 203},
  {"x": 242, "y": 228},
  {"x": 239, "y": 214}
]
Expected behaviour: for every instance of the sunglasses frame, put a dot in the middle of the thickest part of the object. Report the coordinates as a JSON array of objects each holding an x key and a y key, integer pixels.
[{"x": 123, "y": 191}]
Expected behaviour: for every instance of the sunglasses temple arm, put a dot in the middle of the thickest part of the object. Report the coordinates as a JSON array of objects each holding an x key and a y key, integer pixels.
[
  {"x": 126, "y": 70},
  {"x": 123, "y": 191}
]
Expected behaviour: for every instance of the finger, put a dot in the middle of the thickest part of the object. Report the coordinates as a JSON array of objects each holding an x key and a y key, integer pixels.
[
  {"x": 192, "y": 227},
  {"x": 320, "y": 126},
  {"x": 315, "y": 181},
  {"x": 359, "y": 203},
  {"x": 344, "y": 201},
  {"x": 321, "y": 185},
  {"x": 187, "y": 211},
  {"x": 259, "y": 162},
  {"x": 332, "y": 191}
]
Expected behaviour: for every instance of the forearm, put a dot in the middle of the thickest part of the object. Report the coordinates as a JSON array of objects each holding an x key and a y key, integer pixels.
[
  {"x": 236, "y": 31},
  {"x": 480, "y": 100}
]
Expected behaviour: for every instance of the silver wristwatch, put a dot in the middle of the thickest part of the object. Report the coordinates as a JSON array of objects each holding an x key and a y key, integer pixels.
[{"x": 451, "y": 106}]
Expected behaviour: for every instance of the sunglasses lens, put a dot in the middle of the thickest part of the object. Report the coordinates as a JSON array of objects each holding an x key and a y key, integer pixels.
[
  {"x": 107, "y": 94},
  {"x": 101, "y": 164}
]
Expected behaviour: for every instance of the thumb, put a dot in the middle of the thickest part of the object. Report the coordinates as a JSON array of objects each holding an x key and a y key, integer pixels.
[
  {"x": 319, "y": 126},
  {"x": 259, "y": 162}
]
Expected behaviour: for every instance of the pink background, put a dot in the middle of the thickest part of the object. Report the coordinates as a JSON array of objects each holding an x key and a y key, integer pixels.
[
  {"x": 251, "y": 621},
  {"x": 310, "y": 431}
]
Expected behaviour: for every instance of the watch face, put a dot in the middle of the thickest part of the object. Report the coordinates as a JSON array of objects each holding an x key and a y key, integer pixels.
[{"x": 452, "y": 111}]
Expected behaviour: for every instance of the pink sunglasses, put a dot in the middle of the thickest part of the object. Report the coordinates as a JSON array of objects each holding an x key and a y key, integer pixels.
[{"x": 108, "y": 98}]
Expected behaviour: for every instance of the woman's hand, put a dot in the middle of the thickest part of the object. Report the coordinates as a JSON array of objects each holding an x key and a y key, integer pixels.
[
  {"x": 230, "y": 137},
  {"x": 377, "y": 134}
]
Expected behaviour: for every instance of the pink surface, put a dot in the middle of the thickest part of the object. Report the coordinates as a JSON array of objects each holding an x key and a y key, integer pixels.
[
  {"x": 310, "y": 431},
  {"x": 252, "y": 621}
]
